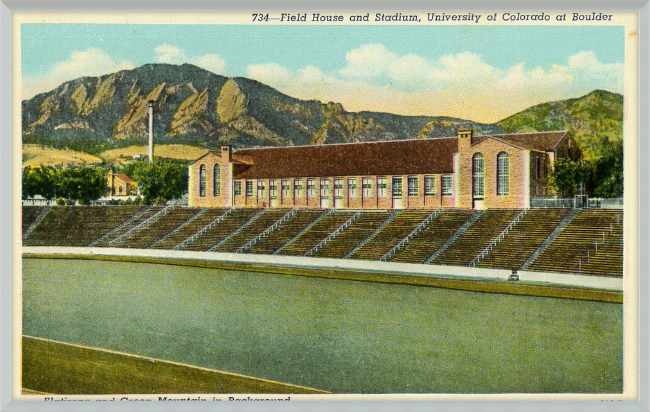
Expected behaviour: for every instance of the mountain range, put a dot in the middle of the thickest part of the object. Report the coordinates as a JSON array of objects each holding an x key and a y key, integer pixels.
[{"x": 198, "y": 107}]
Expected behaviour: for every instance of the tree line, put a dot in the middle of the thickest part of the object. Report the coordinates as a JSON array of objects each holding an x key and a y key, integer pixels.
[
  {"x": 166, "y": 179},
  {"x": 601, "y": 178},
  {"x": 158, "y": 182}
]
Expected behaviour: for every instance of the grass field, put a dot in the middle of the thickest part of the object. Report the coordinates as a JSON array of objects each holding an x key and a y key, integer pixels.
[
  {"x": 476, "y": 285},
  {"x": 84, "y": 371},
  {"x": 336, "y": 335},
  {"x": 37, "y": 155},
  {"x": 171, "y": 151}
]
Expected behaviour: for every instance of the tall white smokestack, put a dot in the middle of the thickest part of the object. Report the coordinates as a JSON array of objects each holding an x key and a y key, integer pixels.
[{"x": 150, "y": 153}]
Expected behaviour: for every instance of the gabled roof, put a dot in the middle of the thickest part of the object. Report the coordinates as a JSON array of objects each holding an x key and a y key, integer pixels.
[
  {"x": 211, "y": 152},
  {"x": 396, "y": 157},
  {"x": 126, "y": 178},
  {"x": 539, "y": 141}
]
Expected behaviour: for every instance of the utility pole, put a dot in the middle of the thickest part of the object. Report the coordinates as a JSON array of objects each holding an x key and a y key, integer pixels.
[{"x": 150, "y": 154}]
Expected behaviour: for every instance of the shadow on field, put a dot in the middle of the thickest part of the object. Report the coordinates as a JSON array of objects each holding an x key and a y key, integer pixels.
[{"x": 58, "y": 368}]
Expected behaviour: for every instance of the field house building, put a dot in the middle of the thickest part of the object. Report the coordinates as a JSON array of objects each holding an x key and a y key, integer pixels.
[{"x": 464, "y": 171}]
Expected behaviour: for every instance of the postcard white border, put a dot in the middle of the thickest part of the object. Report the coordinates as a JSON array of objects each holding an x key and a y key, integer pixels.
[{"x": 642, "y": 222}]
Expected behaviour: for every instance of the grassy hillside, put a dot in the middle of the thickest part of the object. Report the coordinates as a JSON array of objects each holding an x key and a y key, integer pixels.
[
  {"x": 595, "y": 120},
  {"x": 125, "y": 155},
  {"x": 37, "y": 155}
]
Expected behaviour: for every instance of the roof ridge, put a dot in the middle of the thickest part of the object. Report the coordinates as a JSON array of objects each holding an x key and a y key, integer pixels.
[
  {"x": 344, "y": 144},
  {"x": 520, "y": 133}
]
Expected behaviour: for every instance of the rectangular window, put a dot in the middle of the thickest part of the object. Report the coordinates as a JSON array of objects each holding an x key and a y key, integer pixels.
[
  {"x": 297, "y": 188},
  {"x": 325, "y": 190},
  {"x": 203, "y": 181},
  {"x": 478, "y": 175},
  {"x": 397, "y": 188},
  {"x": 447, "y": 189},
  {"x": 429, "y": 185},
  {"x": 367, "y": 187},
  {"x": 352, "y": 188},
  {"x": 216, "y": 180},
  {"x": 286, "y": 189},
  {"x": 260, "y": 189},
  {"x": 237, "y": 188},
  {"x": 311, "y": 187},
  {"x": 250, "y": 188},
  {"x": 413, "y": 186},
  {"x": 338, "y": 188},
  {"x": 382, "y": 186},
  {"x": 503, "y": 175},
  {"x": 273, "y": 187}
]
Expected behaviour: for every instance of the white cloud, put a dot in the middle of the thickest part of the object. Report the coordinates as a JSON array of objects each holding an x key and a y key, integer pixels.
[
  {"x": 461, "y": 85},
  {"x": 269, "y": 73},
  {"x": 91, "y": 62},
  {"x": 211, "y": 62},
  {"x": 166, "y": 53}
]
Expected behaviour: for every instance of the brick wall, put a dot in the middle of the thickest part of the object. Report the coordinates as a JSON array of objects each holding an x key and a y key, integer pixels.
[
  {"x": 350, "y": 195},
  {"x": 519, "y": 176},
  {"x": 210, "y": 200}
]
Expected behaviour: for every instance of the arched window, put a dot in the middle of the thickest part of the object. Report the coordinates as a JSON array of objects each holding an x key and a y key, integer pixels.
[
  {"x": 203, "y": 181},
  {"x": 216, "y": 180},
  {"x": 478, "y": 175},
  {"x": 503, "y": 174}
]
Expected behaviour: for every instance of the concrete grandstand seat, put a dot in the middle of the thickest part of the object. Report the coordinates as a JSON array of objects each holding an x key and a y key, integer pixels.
[{"x": 432, "y": 237}]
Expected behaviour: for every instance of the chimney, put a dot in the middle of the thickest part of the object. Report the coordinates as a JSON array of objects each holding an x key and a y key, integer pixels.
[
  {"x": 150, "y": 131},
  {"x": 226, "y": 152},
  {"x": 465, "y": 135}
]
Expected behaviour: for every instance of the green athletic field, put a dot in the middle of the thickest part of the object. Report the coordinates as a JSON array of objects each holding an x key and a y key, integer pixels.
[{"x": 335, "y": 335}]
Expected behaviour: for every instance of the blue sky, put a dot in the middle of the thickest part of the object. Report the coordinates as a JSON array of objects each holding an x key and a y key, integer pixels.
[{"x": 483, "y": 73}]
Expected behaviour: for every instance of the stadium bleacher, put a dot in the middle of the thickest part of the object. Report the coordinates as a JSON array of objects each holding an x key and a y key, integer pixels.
[
  {"x": 475, "y": 238},
  {"x": 591, "y": 243},
  {"x": 391, "y": 235},
  {"x": 30, "y": 214},
  {"x": 145, "y": 237},
  {"x": 208, "y": 215},
  {"x": 136, "y": 219},
  {"x": 263, "y": 222},
  {"x": 225, "y": 227},
  {"x": 432, "y": 237},
  {"x": 347, "y": 240},
  {"x": 317, "y": 233},
  {"x": 285, "y": 232},
  {"x": 523, "y": 239},
  {"x": 78, "y": 225}
]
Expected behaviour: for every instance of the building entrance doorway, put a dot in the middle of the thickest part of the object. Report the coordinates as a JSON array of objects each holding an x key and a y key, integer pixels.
[
  {"x": 478, "y": 182},
  {"x": 398, "y": 193},
  {"x": 325, "y": 194},
  {"x": 261, "y": 196},
  {"x": 273, "y": 193},
  {"x": 338, "y": 193}
]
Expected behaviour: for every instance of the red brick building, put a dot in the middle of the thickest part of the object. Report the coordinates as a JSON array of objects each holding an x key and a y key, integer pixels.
[
  {"x": 120, "y": 184},
  {"x": 465, "y": 171}
]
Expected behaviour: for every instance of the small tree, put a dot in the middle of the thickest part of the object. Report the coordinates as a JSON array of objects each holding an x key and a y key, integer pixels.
[
  {"x": 161, "y": 180},
  {"x": 567, "y": 176},
  {"x": 39, "y": 181},
  {"x": 608, "y": 171},
  {"x": 83, "y": 184}
]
